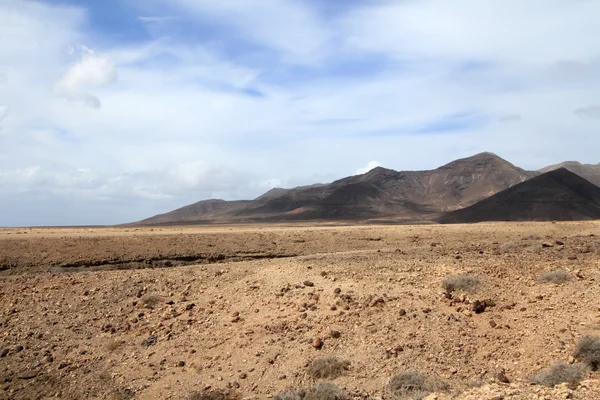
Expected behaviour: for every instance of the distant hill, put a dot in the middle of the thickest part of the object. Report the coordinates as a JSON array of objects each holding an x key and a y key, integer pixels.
[
  {"x": 556, "y": 195},
  {"x": 590, "y": 172},
  {"x": 379, "y": 193}
]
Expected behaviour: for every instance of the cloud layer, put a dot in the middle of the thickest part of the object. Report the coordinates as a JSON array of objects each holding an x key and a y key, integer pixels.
[{"x": 111, "y": 112}]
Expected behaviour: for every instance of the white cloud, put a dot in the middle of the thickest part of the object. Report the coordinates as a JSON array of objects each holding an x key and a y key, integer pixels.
[
  {"x": 588, "y": 112},
  {"x": 370, "y": 165},
  {"x": 89, "y": 72},
  {"x": 289, "y": 26}
]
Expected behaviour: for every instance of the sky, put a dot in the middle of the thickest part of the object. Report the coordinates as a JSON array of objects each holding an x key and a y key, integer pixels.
[{"x": 115, "y": 110}]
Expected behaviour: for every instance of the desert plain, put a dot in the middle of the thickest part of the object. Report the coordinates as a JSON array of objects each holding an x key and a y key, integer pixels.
[{"x": 198, "y": 311}]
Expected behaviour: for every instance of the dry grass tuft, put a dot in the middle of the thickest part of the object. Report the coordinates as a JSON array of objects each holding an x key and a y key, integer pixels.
[
  {"x": 558, "y": 277},
  {"x": 327, "y": 368},
  {"x": 215, "y": 394},
  {"x": 559, "y": 373},
  {"x": 588, "y": 351},
  {"x": 151, "y": 300},
  {"x": 114, "y": 345},
  {"x": 413, "y": 385},
  {"x": 320, "y": 391},
  {"x": 464, "y": 283}
]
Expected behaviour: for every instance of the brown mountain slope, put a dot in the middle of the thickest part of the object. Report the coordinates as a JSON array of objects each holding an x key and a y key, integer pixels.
[
  {"x": 590, "y": 172},
  {"x": 378, "y": 193},
  {"x": 555, "y": 195}
]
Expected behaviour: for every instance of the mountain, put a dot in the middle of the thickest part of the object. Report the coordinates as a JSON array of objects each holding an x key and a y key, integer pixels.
[
  {"x": 381, "y": 192},
  {"x": 556, "y": 195},
  {"x": 590, "y": 172}
]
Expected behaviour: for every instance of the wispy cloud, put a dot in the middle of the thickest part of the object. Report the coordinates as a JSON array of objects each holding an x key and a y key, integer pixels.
[{"x": 588, "y": 112}]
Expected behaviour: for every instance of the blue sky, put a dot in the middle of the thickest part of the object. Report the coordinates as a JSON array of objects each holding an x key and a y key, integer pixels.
[{"x": 112, "y": 111}]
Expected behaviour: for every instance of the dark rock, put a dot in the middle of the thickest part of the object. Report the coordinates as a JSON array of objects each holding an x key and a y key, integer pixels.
[
  {"x": 335, "y": 334},
  {"x": 150, "y": 341},
  {"x": 337, "y": 290},
  {"x": 181, "y": 364},
  {"x": 4, "y": 353},
  {"x": 189, "y": 306},
  {"x": 479, "y": 306},
  {"x": 308, "y": 283},
  {"x": 28, "y": 375},
  {"x": 501, "y": 377}
]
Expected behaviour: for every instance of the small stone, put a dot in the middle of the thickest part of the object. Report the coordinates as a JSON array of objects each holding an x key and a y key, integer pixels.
[
  {"x": 235, "y": 314},
  {"x": 317, "y": 343},
  {"x": 303, "y": 315},
  {"x": 402, "y": 312},
  {"x": 308, "y": 283},
  {"x": 479, "y": 306},
  {"x": 181, "y": 364},
  {"x": 337, "y": 290},
  {"x": 150, "y": 341},
  {"x": 493, "y": 324},
  {"x": 189, "y": 306},
  {"x": 559, "y": 242},
  {"x": 501, "y": 377},
  {"x": 49, "y": 359},
  {"x": 19, "y": 348},
  {"x": 27, "y": 375},
  {"x": 547, "y": 244},
  {"x": 4, "y": 353},
  {"x": 243, "y": 375},
  {"x": 335, "y": 334},
  {"x": 426, "y": 310}
]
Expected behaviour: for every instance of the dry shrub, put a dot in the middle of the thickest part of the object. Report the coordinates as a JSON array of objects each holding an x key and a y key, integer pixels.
[
  {"x": 327, "y": 368},
  {"x": 114, "y": 345},
  {"x": 588, "y": 351},
  {"x": 464, "y": 283},
  {"x": 559, "y": 276},
  {"x": 413, "y": 385},
  {"x": 508, "y": 246},
  {"x": 533, "y": 236},
  {"x": 320, "y": 391},
  {"x": 215, "y": 394},
  {"x": 151, "y": 300},
  {"x": 559, "y": 373}
]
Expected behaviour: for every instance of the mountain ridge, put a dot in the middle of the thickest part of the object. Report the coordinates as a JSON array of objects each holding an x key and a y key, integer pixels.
[{"x": 378, "y": 193}]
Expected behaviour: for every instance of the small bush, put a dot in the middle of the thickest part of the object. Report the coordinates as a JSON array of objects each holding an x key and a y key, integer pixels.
[
  {"x": 531, "y": 237},
  {"x": 559, "y": 276},
  {"x": 215, "y": 394},
  {"x": 114, "y": 345},
  {"x": 464, "y": 283},
  {"x": 559, "y": 373},
  {"x": 588, "y": 351},
  {"x": 320, "y": 391},
  {"x": 327, "y": 368},
  {"x": 414, "y": 386},
  {"x": 508, "y": 246},
  {"x": 150, "y": 300}
]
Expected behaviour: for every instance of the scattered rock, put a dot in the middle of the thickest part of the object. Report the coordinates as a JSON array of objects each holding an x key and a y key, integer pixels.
[
  {"x": 243, "y": 375},
  {"x": 402, "y": 312},
  {"x": 151, "y": 340},
  {"x": 28, "y": 375},
  {"x": 181, "y": 364},
  {"x": 4, "y": 353},
  {"x": 335, "y": 334},
  {"x": 308, "y": 283},
  {"x": 479, "y": 306},
  {"x": 501, "y": 377},
  {"x": 317, "y": 343},
  {"x": 547, "y": 244}
]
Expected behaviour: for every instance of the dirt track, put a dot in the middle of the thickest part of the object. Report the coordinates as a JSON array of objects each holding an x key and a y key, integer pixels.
[{"x": 232, "y": 307}]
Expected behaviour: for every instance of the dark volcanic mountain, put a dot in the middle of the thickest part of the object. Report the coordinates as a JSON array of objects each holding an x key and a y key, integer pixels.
[
  {"x": 590, "y": 172},
  {"x": 556, "y": 195},
  {"x": 378, "y": 193}
]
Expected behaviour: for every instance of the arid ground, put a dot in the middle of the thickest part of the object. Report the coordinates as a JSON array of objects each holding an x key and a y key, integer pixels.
[{"x": 166, "y": 313}]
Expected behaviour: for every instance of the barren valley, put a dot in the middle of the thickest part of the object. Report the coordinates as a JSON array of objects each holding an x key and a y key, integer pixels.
[{"x": 245, "y": 311}]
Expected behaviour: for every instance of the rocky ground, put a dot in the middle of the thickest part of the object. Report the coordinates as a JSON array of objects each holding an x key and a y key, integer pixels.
[{"x": 170, "y": 313}]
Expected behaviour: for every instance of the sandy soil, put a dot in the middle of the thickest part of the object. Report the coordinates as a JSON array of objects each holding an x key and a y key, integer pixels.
[{"x": 161, "y": 313}]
